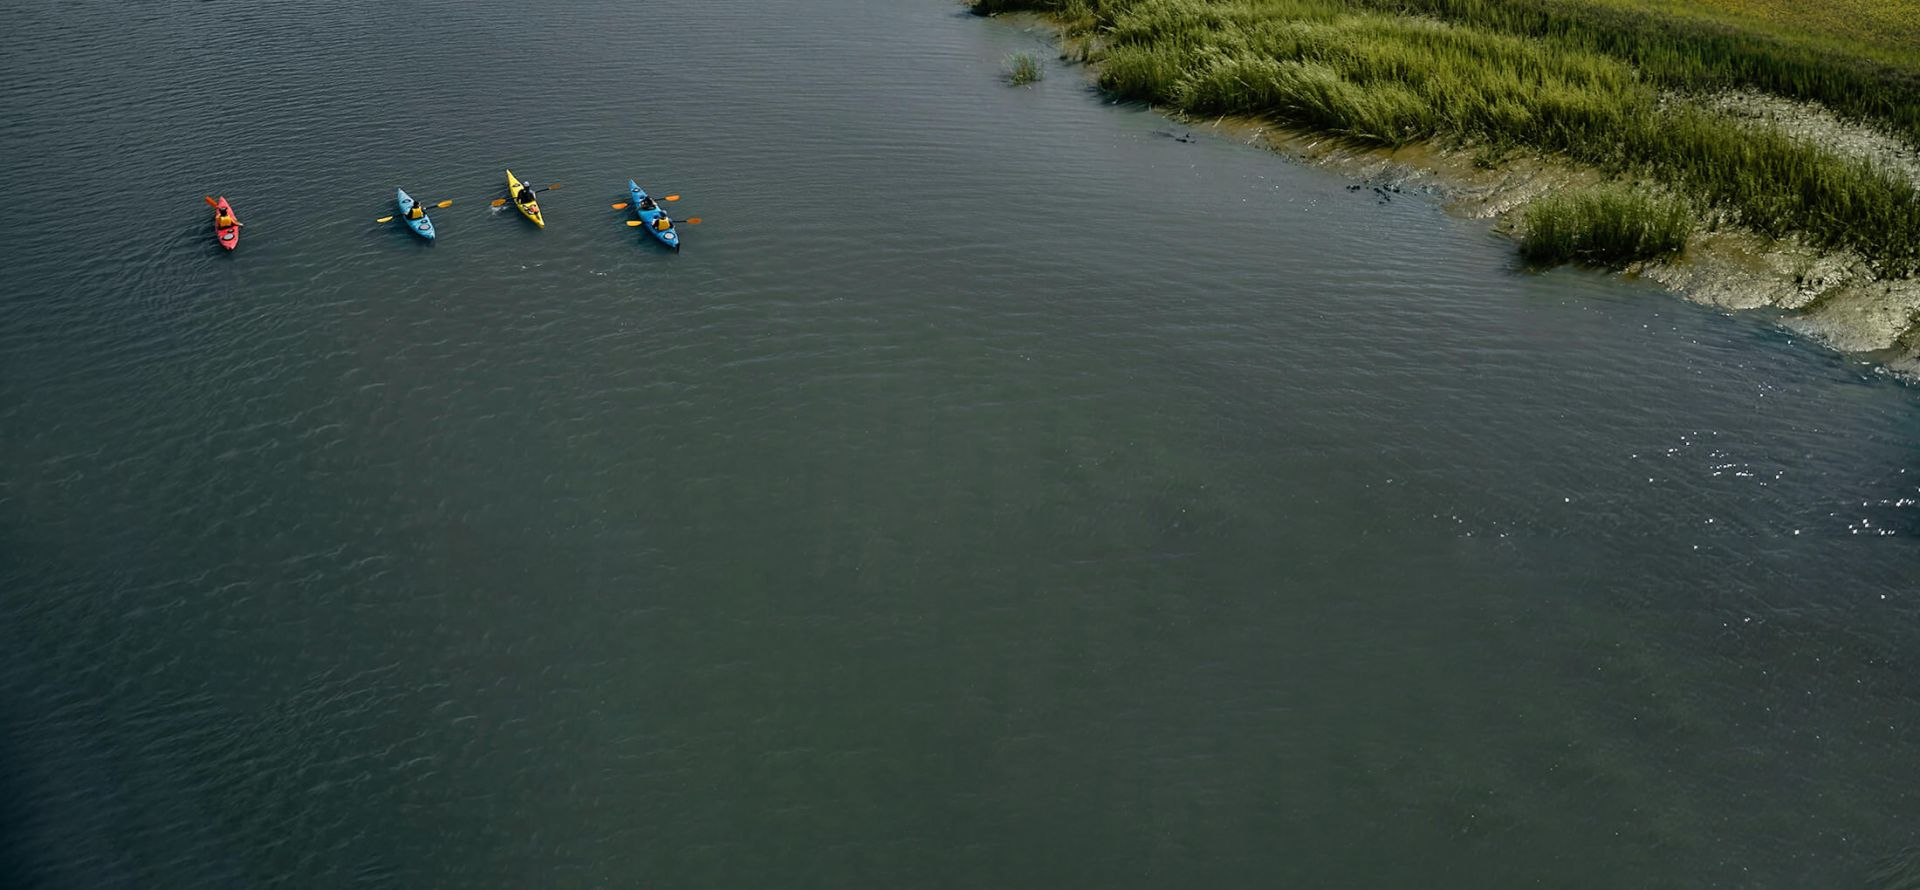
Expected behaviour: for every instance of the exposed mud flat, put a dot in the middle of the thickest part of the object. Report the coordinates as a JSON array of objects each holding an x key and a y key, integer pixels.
[{"x": 1814, "y": 123}]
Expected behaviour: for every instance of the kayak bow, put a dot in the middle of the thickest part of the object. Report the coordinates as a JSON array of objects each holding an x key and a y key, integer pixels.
[{"x": 422, "y": 226}]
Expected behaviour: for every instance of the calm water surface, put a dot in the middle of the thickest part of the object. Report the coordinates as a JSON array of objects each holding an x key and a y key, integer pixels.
[{"x": 994, "y": 493}]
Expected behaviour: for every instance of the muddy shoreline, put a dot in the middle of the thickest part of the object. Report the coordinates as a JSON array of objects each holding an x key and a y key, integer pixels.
[{"x": 1831, "y": 297}]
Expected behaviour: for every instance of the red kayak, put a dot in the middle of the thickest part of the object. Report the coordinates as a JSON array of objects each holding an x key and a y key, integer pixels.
[{"x": 229, "y": 236}]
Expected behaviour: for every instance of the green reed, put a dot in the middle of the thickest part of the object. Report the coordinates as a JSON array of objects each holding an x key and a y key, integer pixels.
[
  {"x": 1611, "y": 226},
  {"x": 1023, "y": 68}
]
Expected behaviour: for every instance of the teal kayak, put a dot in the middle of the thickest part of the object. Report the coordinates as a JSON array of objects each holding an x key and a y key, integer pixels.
[
  {"x": 665, "y": 235},
  {"x": 422, "y": 226}
]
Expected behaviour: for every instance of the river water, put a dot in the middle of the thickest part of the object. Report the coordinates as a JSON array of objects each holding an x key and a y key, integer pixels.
[{"x": 995, "y": 492}]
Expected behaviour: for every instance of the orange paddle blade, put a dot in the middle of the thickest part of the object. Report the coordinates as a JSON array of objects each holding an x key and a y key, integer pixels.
[
  {"x": 212, "y": 203},
  {"x": 620, "y": 206}
]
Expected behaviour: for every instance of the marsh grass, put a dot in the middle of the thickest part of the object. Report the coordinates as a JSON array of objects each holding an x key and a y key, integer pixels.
[
  {"x": 1611, "y": 226},
  {"x": 1703, "y": 55},
  {"x": 1491, "y": 74},
  {"x": 1023, "y": 68},
  {"x": 1883, "y": 29}
]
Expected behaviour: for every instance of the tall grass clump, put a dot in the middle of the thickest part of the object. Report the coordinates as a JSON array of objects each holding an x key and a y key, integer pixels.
[
  {"x": 1023, "y": 68},
  {"x": 1700, "y": 55},
  {"x": 1611, "y": 226},
  {"x": 1504, "y": 74}
]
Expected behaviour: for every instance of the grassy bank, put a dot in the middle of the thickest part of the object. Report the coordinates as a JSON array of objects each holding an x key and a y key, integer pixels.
[
  {"x": 1611, "y": 226},
  {"x": 1590, "y": 80},
  {"x": 1886, "y": 30},
  {"x": 1703, "y": 45}
]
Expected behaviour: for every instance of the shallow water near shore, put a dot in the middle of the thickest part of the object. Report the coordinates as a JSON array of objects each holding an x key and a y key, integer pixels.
[{"x": 994, "y": 492}]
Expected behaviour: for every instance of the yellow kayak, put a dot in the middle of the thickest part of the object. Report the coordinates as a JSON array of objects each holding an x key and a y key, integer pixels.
[{"x": 531, "y": 209}]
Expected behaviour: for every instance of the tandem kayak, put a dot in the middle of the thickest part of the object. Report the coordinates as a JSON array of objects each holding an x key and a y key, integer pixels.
[
  {"x": 422, "y": 226},
  {"x": 531, "y": 209},
  {"x": 665, "y": 236},
  {"x": 229, "y": 237}
]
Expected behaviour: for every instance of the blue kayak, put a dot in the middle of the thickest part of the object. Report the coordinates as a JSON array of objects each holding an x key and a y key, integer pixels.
[
  {"x": 665, "y": 236},
  {"x": 422, "y": 226}
]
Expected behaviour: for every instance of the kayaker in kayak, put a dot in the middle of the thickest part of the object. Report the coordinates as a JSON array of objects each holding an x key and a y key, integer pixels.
[
  {"x": 415, "y": 212},
  {"x": 662, "y": 223},
  {"x": 526, "y": 194},
  {"x": 224, "y": 220},
  {"x": 646, "y": 203}
]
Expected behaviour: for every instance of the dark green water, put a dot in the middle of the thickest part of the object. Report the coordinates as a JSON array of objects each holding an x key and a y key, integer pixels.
[{"x": 993, "y": 494}]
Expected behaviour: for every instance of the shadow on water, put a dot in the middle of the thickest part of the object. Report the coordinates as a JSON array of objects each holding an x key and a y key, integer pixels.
[
  {"x": 57, "y": 824},
  {"x": 1896, "y": 871},
  {"x": 20, "y": 837}
]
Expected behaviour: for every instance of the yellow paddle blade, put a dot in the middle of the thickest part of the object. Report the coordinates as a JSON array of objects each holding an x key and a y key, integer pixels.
[
  {"x": 635, "y": 222},
  {"x": 447, "y": 203},
  {"x": 384, "y": 219},
  {"x": 498, "y": 201},
  {"x": 620, "y": 206},
  {"x": 551, "y": 187},
  {"x": 671, "y": 198}
]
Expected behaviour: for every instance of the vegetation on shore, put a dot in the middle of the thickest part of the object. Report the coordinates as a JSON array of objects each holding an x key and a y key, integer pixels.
[
  {"x": 1596, "y": 81},
  {"x": 1695, "y": 54},
  {"x": 1023, "y": 68},
  {"x": 1610, "y": 226},
  {"x": 1883, "y": 30}
]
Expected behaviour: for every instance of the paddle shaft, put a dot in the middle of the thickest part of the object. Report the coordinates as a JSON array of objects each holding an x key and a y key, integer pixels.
[
  {"x": 387, "y": 219},
  {"x": 216, "y": 209},
  {"x": 497, "y": 202},
  {"x": 624, "y": 205}
]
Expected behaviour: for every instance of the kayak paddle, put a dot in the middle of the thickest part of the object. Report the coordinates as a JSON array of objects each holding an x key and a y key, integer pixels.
[
  {"x": 679, "y": 222},
  {"x": 216, "y": 206},
  {"x": 623, "y": 205},
  {"x": 504, "y": 200},
  {"x": 387, "y": 219},
  {"x": 499, "y": 201}
]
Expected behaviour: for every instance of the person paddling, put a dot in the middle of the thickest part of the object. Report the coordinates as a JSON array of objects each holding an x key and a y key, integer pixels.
[
  {"x": 223, "y": 219},
  {"x": 416, "y": 211},
  {"x": 646, "y": 203},
  {"x": 526, "y": 194},
  {"x": 662, "y": 223}
]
